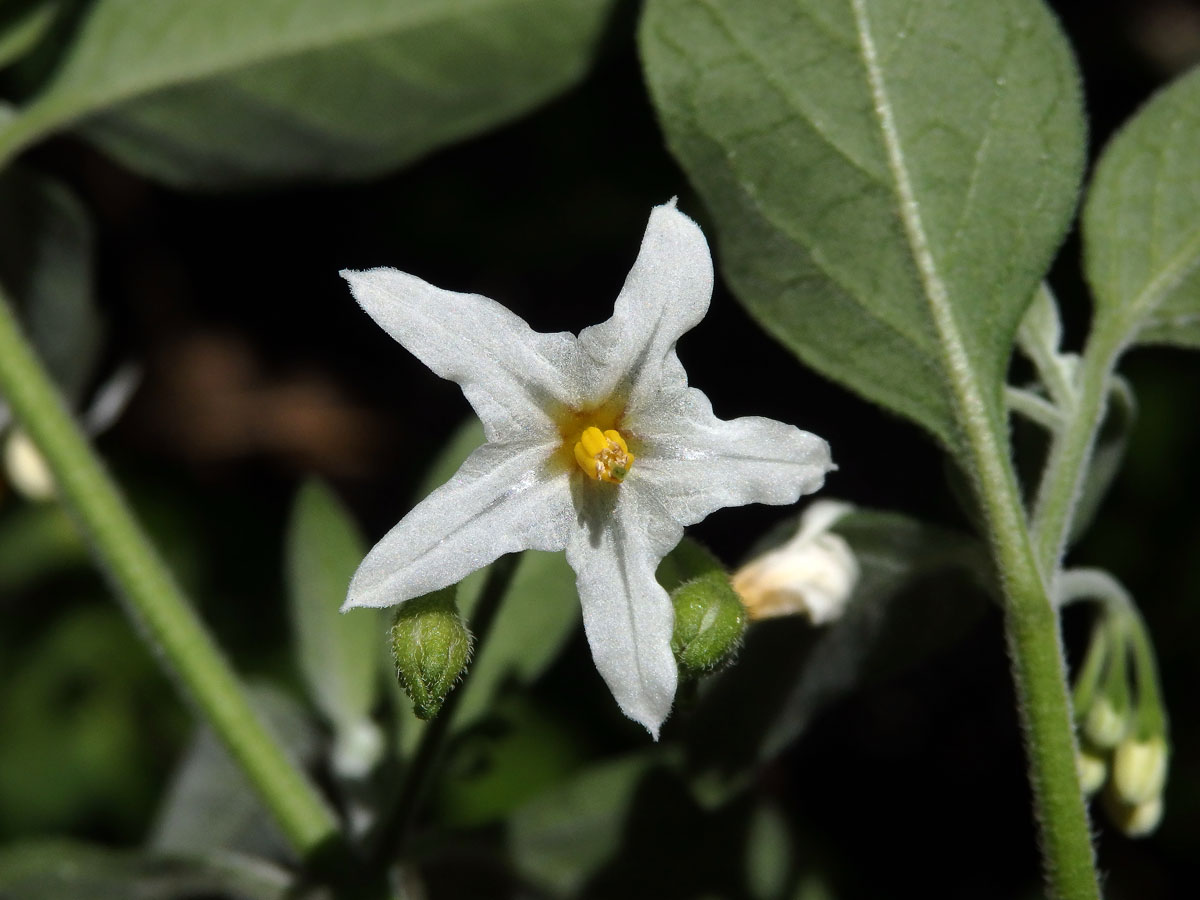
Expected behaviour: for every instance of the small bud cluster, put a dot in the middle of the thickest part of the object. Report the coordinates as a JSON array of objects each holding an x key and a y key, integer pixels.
[
  {"x": 1122, "y": 724},
  {"x": 431, "y": 646}
]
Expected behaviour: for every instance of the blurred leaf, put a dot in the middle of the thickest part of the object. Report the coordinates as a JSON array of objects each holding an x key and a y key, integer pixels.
[
  {"x": 906, "y": 606},
  {"x": 519, "y": 753},
  {"x": 889, "y": 180},
  {"x": 46, "y": 249},
  {"x": 339, "y": 655},
  {"x": 82, "y": 722},
  {"x": 225, "y": 92},
  {"x": 35, "y": 540},
  {"x": 768, "y": 853},
  {"x": 1141, "y": 222},
  {"x": 22, "y": 24},
  {"x": 537, "y": 615},
  {"x": 62, "y": 870},
  {"x": 560, "y": 838},
  {"x": 211, "y": 806}
]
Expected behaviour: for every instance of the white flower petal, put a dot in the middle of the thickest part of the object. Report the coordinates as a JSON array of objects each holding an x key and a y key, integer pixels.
[
  {"x": 696, "y": 463},
  {"x": 512, "y": 375},
  {"x": 627, "y": 615},
  {"x": 504, "y": 498},
  {"x": 666, "y": 294}
]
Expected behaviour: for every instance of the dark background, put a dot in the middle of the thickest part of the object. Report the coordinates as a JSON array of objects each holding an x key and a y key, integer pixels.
[{"x": 260, "y": 370}]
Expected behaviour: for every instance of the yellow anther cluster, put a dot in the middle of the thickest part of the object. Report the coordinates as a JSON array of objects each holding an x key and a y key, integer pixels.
[{"x": 603, "y": 455}]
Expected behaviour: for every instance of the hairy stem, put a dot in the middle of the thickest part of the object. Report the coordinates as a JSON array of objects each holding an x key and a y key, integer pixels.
[
  {"x": 1071, "y": 450},
  {"x": 152, "y": 597}
]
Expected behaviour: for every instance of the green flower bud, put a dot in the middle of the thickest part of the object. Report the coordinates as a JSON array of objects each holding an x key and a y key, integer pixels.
[
  {"x": 431, "y": 646},
  {"x": 1104, "y": 724},
  {"x": 709, "y": 623},
  {"x": 1092, "y": 769},
  {"x": 1140, "y": 769},
  {"x": 1133, "y": 819}
]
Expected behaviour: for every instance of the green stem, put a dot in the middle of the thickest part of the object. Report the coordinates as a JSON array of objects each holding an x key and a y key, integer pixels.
[
  {"x": 1071, "y": 451},
  {"x": 394, "y": 837},
  {"x": 153, "y": 599}
]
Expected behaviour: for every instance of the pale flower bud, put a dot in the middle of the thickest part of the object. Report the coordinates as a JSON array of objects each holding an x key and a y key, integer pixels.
[
  {"x": 1104, "y": 724},
  {"x": 27, "y": 469},
  {"x": 1133, "y": 820},
  {"x": 1140, "y": 769},
  {"x": 1092, "y": 770},
  {"x": 813, "y": 574}
]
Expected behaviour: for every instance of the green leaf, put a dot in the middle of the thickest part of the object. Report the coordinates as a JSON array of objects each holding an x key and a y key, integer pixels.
[
  {"x": 493, "y": 770},
  {"x": 1141, "y": 222},
  {"x": 23, "y": 24},
  {"x": 65, "y": 870},
  {"x": 37, "y": 539},
  {"x": 889, "y": 180},
  {"x": 768, "y": 853},
  {"x": 210, "y": 805},
  {"x": 225, "y": 93},
  {"x": 916, "y": 593},
  {"x": 560, "y": 838},
  {"x": 339, "y": 655},
  {"x": 46, "y": 248}
]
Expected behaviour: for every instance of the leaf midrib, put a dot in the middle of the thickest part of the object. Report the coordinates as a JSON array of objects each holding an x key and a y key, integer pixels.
[{"x": 969, "y": 400}]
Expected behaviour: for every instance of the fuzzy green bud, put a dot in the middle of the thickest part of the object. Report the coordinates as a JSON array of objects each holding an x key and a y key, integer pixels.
[
  {"x": 1140, "y": 769},
  {"x": 1092, "y": 769},
  {"x": 431, "y": 646},
  {"x": 709, "y": 623}
]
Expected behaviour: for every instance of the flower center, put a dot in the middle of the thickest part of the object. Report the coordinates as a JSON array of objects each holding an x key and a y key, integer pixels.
[{"x": 603, "y": 455}]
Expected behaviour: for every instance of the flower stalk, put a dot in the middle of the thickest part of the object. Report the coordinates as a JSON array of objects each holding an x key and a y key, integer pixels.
[{"x": 153, "y": 599}]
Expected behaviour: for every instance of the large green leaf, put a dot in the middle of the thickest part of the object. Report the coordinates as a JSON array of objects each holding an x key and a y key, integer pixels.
[
  {"x": 227, "y": 92},
  {"x": 1141, "y": 223},
  {"x": 46, "y": 248},
  {"x": 64, "y": 870},
  {"x": 339, "y": 655},
  {"x": 889, "y": 180}
]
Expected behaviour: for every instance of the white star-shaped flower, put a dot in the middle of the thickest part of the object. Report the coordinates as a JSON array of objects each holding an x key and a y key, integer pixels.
[{"x": 595, "y": 445}]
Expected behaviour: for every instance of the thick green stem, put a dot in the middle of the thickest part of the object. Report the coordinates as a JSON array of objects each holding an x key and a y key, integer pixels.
[
  {"x": 152, "y": 596},
  {"x": 1039, "y": 675}
]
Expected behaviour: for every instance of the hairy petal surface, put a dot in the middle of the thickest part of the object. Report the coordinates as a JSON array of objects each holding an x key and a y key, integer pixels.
[
  {"x": 627, "y": 615},
  {"x": 511, "y": 375},
  {"x": 695, "y": 463},
  {"x": 504, "y": 498},
  {"x": 666, "y": 294}
]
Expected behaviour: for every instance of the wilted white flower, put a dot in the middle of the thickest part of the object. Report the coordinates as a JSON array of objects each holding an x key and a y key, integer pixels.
[
  {"x": 595, "y": 445},
  {"x": 813, "y": 574}
]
